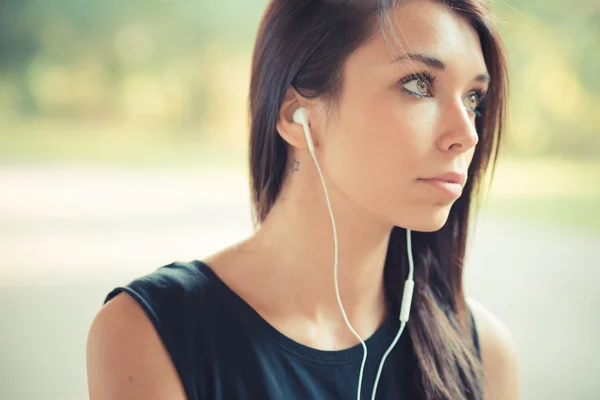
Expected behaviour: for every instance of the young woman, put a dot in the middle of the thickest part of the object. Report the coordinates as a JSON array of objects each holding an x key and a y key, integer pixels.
[{"x": 369, "y": 140}]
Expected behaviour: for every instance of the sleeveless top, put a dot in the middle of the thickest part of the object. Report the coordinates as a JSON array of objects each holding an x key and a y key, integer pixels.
[{"x": 223, "y": 349}]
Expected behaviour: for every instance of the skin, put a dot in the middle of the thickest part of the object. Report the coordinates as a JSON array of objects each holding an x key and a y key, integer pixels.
[{"x": 373, "y": 148}]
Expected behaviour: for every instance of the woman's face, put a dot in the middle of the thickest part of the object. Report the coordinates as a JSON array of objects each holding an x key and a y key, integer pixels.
[{"x": 398, "y": 122}]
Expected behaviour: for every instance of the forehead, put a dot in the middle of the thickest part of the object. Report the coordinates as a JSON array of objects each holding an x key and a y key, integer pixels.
[{"x": 428, "y": 27}]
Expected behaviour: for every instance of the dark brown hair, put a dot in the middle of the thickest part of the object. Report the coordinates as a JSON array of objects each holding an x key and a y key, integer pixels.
[{"x": 304, "y": 44}]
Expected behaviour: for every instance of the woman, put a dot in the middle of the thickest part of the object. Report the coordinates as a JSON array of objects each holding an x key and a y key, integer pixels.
[{"x": 391, "y": 99}]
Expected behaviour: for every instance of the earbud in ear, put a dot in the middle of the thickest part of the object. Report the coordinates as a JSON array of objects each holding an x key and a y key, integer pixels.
[{"x": 300, "y": 117}]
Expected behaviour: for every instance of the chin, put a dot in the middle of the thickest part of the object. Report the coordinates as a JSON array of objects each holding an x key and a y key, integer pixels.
[
  {"x": 430, "y": 222},
  {"x": 431, "y": 227}
]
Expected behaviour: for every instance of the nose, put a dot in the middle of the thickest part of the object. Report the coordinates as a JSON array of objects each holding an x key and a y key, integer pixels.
[{"x": 459, "y": 133}]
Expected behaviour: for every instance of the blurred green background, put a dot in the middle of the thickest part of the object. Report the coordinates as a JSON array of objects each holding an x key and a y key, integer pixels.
[
  {"x": 123, "y": 134},
  {"x": 165, "y": 83}
]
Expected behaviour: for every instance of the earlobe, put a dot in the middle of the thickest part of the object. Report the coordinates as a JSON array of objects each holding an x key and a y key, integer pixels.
[
  {"x": 291, "y": 131},
  {"x": 301, "y": 118}
]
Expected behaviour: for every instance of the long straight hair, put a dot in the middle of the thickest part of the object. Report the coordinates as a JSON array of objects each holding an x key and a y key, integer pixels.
[{"x": 304, "y": 44}]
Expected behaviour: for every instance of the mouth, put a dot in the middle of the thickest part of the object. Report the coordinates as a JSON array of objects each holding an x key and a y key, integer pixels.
[
  {"x": 456, "y": 177},
  {"x": 449, "y": 188}
]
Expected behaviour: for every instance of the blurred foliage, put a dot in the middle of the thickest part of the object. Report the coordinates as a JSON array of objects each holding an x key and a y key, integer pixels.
[
  {"x": 182, "y": 67},
  {"x": 554, "y": 54}
]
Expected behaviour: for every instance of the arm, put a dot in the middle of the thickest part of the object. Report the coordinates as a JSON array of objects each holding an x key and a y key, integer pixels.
[
  {"x": 126, "y": 358},
  {"x": 498, "y": 353}
]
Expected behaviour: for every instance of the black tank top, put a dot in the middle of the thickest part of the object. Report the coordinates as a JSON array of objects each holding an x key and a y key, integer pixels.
[{"x": 223, "y": 349}]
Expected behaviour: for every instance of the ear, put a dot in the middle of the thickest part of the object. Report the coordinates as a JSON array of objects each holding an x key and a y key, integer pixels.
[{"x": 290, "y": 131}]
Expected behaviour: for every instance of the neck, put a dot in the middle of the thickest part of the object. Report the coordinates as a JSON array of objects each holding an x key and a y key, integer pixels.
[{"x": 296, "y": 241}]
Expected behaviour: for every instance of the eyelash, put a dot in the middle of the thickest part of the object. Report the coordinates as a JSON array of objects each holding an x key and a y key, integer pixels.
[
  {"x": 426, "y": 77},
  {"x": 481, "y": 95}
]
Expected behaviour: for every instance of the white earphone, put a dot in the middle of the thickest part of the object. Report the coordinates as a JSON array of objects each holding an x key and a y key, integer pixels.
[{"x": 301, "y": 117}]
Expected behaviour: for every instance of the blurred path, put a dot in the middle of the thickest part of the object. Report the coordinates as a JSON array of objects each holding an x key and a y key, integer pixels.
[{"x": 70, "y": 234}]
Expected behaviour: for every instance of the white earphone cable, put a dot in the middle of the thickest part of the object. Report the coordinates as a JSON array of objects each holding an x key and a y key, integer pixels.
[
  {"x": 300, "y": 117},
  {"x": 335, "y": 262},
  {"x": 404, "y": 310}
]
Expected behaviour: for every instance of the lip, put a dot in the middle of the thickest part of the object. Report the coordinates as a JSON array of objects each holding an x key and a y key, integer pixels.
[
  {"x": 450, "y": 183},
  {"x": 452, "y": 177},
  {"x": 450, "y": 188}
]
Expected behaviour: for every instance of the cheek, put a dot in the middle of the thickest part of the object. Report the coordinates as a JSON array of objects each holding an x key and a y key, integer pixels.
[
  {"x": 375, "y": 151},
  {"x": 392, "y": 135}
]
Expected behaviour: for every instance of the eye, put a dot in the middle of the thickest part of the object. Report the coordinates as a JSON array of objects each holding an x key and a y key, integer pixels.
[
  {"x": 420, "y": 85},
  {"x": 417, "y": 86},
  {"x": 474, "y": 100}
]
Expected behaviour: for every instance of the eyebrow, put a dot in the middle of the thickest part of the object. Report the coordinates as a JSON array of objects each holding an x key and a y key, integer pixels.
[{"x": 436, "y": 63}]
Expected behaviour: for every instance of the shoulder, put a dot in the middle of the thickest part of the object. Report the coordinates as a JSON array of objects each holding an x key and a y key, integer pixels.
[
  {"x": 179, "y": 286},
  {"x": 125, "y": 356},
  {"x": 498, "y": 353},
  {"x": 139, "y": 343}
]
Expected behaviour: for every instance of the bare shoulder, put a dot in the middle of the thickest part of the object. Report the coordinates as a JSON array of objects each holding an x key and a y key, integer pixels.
[
  {"x": 499, "y": 355},
  {"x": 126, "y": 358}
]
